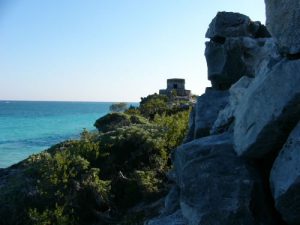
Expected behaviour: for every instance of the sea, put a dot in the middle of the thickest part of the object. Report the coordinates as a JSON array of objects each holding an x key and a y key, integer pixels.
[{"x": 28, "y": 127}]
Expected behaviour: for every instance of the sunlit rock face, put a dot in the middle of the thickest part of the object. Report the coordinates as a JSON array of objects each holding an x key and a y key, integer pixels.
[{"x": 269, "y": 111}]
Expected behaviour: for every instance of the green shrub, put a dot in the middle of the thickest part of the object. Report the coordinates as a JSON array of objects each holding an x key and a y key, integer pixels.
[
  {"x": 118, "y": 107},
  {"x": 113, "y": 121}
]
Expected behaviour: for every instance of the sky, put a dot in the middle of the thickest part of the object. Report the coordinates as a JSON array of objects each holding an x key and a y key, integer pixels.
[{"x": 106, "y": 50}]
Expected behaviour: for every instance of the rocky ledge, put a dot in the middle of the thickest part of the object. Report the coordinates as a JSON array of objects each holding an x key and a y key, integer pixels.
[{"x": 240, "y": 163}]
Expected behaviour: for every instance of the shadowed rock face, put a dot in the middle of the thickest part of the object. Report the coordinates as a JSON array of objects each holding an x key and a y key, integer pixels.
[
  {"x": 222, "y": 72},
  {"x": 229, "y": 24},
  {"x": 283, "y": 19},
  {"x": 216, "y": 186},
  {"x": 225, "y": 117},
  {"x": 285, "y": 179},
  {"x": 173, "y": 219},
  {"x": 230, "y": 52},
  {"x": 205, "y": 113}
]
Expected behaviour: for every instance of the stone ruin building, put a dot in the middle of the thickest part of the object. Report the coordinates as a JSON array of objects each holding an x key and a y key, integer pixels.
[{"x": 176, "y": 86}]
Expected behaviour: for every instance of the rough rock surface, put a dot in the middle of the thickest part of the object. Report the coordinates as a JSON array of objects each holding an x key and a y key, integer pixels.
[
  {"x": 268, "y": 111},
  {"x": 223, "y": 177},
  {"x": 283, "y": 19},
  {"x": 227, "y": 62},
  {"x": 172, "y": 201},
  {"x": 233, "y": 47},
  {"x": 205, "y": 112},
  {"x": 225, "y": 118},
  {"x": 174, "y": 219},
  {"x": 222, "y": 72},
  {"x": 285, "y": 179},
  {"x": 216, "y": 186},
  {"x": 229, "y": 24}
]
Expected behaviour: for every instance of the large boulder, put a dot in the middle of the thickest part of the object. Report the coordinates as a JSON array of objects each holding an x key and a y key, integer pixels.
[
  {"x": 216, "y": 186},
  {"x": 229, "y": 24},
  {"x": 234, "y": 48},
  {"x": 225, "y": 63},
  {"x": 225, "y": 119},
  {"x": 283, "y": 19},
  {"x": 205, "y": 112},
  {"x": 269, "y": 110},
  {"x": 285, "y": 179}
]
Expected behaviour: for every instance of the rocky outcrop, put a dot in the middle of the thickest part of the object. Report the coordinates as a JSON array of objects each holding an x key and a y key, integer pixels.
[
  {"x": 229, "y": 24},
  {"x": 201, "y": 121},
  {"x": 283, "y": 19},
  {"x": 224, "y": 120},
  {"x": 216, "y": 185},
  {"x": 229, "y": 53},
  {"x": 285, "y": 179},
  {"x": 269, "y": 110},
  {"x": 230, "y": 170}
]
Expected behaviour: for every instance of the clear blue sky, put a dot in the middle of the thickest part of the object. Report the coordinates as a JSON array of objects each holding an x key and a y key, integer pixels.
[{"x": 106, "y": 50}]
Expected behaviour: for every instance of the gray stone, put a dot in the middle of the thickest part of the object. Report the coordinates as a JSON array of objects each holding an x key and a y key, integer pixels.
[
  {"x": 190, "y": 135},
  {"x": 222, "y": 72},
  {"x": 216, "y": 186},
  {"x": 268, "y": 111},
  {"x": 285, "y": 179},
  {"x": 171, "y": 201},
  {"x": 226, "y": 116},
  {"x": 283, "y": 19},
  {"x": 227, "y": 62},
  {"x": 206, "y": 112},
  {"x": 229, "y": 24},
  {"x": 174, "y": 219}
]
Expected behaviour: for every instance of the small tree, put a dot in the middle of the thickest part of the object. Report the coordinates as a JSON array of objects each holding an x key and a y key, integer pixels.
[{"x": 118, "y": 107}]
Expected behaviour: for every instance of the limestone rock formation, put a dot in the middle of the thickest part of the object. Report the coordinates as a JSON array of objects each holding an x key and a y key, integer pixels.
[
  {"x": 233, "y": 38},
  {"x": 229, "y": 24},
  {"x": 240, "y": 161},
  {"x": 283, "y": 19},
  {"x": 285, "y": 179},
  {"x": 205, "y": 112},
  {"x": 216, "y": 185},
  {"x": 225, "y": 119},
  {"x": 268, "y": 111}
]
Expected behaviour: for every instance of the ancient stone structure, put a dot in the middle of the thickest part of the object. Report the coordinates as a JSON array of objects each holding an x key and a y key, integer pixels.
[
  {"x": 176, "y": 87},
  {"x": 240, "y": 161}
]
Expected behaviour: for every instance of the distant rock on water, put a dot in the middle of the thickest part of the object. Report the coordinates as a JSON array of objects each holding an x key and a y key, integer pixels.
[{"x": 240, "y": 163}]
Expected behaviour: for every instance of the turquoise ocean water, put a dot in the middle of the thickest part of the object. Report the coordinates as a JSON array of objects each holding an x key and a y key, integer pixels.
[{"x": 29, "y": 127}]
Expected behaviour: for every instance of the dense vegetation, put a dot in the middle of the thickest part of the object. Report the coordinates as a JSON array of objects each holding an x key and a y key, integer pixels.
[{"x": 97, "y": 179}]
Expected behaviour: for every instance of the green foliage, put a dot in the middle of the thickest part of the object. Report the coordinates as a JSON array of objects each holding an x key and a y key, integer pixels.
[
  {"x": 118, "y": 107},
  {"x": 49, "y": 217},
  {"x": 96, "y": 179},
  {"x": 132, "y": 110},
  {"x": 113, "y": 121},
  {"x": 174, "y": 127},
  {"x": 134, "y": 147},
  {"x": 153, "y": 104},
  {"x": 67, "y": 186}
]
